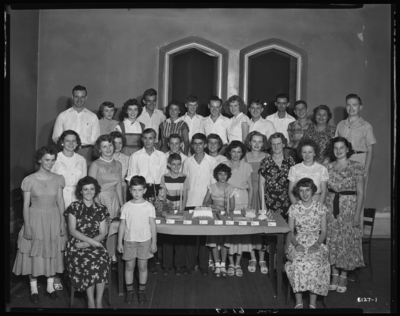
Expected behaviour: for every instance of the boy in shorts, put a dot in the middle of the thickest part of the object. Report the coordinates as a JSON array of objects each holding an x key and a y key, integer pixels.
[{"x": 138, "y": 230}]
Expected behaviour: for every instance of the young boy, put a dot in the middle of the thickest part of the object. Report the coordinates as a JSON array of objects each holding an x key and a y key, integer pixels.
[
  {"x": 175, "y": 183},
  {"x": 138, "y": 230},
  {"x": 174, "y": 144},
  {"x": 199, "y": 169}
]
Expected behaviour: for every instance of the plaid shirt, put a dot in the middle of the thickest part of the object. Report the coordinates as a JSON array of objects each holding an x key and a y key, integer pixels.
[{"x": 296, "y": 132}]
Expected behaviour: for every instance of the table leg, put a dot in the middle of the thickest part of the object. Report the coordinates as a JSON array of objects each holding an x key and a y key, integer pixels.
[
  {"x": 271, "y": 260},
  {"x": 120, "y": 274},
  {"x": 279, "y": 262}
]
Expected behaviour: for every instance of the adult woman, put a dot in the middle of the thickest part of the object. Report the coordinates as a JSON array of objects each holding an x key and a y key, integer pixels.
[
  {"x": 174, "y": 125},
  {"x": 42, "y": 238},
  {"x": 240, "y": 123},
  {"x": 107, "y": 172},
  {"x": 344, "y": 202},
  {"x": 274, "y": 171},
  {"x": 85, "y": 248},
  {"x": 308, "y": 168},
  {"x": 214, "y": 145},
  {"x": 243, "y": 195},
  {"x": 130, "y": 127},
  {"x": 72, "y": 167},
  {"x": 119, "y": 142},
  {"x": 321, "y": 132},
  {"x": 308, "y": 265}
]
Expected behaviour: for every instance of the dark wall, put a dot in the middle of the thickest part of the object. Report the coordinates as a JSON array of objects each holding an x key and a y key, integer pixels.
[{"x": 23, "y": 93}]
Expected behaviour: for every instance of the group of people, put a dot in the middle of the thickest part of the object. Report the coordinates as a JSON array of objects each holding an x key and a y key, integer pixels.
[{"x": 310, "y": 172}]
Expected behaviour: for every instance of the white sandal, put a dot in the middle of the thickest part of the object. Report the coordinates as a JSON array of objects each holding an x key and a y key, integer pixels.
[
  {"x": 342, "y": 289},
  {"x": 58, "y": 287},
  {"x": 333, "y": 287},
  {"x": 263, "y": 267}
]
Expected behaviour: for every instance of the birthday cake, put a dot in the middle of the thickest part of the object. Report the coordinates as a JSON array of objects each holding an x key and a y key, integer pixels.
[{"x": 203, "y": 212}]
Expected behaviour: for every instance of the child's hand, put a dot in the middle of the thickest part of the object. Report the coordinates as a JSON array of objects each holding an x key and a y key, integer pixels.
[
  {"x": 120, "y": 248},
  {"x": 299, "y": 248},
  {"x": 153, "y": 248}
]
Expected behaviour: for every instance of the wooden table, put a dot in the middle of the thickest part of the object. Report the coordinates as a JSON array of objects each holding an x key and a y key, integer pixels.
[{"x": 178, "y": 228}]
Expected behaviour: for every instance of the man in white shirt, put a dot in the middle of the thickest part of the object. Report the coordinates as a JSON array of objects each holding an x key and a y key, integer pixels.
[
  {"x": 192, "y": 119},
  {"x": 281, "y": 118},
  {"x": 216, "y": 123},
  {"x": 80, "y": 120},
  {"x": 257, "y": 123},
  {"x": 151, "y": 117}
]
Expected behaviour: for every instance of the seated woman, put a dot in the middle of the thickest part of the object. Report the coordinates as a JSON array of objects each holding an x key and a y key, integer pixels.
[
  {"x": 86, "y": 256},
  {"x": 308, "y": 266}
]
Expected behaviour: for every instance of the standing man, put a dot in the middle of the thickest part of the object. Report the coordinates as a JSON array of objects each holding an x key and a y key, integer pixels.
[
  {"x": 81, "y": 120},
  {"x": 216, "y": 123},
  {"x": 297, "y": 129},
  {"x": 281, "y": 118},
  {"x": 192, "y": 119},
  {"x": 257, "y": 123},
  {"x": 152, "y": 117}
]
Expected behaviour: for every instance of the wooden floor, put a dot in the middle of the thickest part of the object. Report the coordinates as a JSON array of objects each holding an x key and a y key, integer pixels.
[{"x": 252, "y": 291}]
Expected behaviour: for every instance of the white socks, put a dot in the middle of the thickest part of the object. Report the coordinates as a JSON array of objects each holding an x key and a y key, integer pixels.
[
  {"x": 34, "y": 288},
  {"x": 50, "y": 283},
  {"x": 218, "y": 265}
]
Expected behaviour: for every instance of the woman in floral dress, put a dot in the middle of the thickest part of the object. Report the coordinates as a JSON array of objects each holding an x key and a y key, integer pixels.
[
  {"x": 87, "y": 258},
  {"x": 308, "y": 265},
  {"x": 344, "y": 202}
]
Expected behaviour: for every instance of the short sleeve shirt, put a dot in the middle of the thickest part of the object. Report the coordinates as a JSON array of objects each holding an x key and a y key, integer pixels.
[
  {"x": 136, "y": 216},
  {"x": 317, "y": 172},
  {"x": 360, "y": 133},
  {"x": 235, "y": 127}
]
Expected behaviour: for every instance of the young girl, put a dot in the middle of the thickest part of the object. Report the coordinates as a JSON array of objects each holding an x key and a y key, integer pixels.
[
  {"x": 106, "y": 114},
  {"x": 308, "y": 266},
  {"x": 216, "y": 198},
  {"x": 214, "y": 145}
]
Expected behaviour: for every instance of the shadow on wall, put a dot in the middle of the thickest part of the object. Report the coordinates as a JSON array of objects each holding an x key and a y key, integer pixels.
[
  {"x": 339, "y": 114},
  {"x": 20, "y": 173}
]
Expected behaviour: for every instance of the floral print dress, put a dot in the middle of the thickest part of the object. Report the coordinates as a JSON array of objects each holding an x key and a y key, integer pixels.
[
  {"x": 87, "y": 266},
  {"x": 343, "y": 240},
  {"x": 276, "y": 184},
  {"x": 321, "y": 138},
  {"x": 308, "y": 272}
]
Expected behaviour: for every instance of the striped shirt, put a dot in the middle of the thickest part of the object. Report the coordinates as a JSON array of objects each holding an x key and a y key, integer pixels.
[{"x": 174, "y": 187}]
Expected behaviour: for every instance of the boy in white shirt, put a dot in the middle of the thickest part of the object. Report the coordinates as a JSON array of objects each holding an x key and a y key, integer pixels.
[{"x": 138, "y": 230}]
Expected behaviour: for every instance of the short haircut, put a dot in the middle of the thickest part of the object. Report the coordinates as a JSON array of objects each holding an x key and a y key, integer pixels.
[
  {"x": 255, "y": 101},
  {"x": 300, "y": 102},
  {"x": 353, "y": 96},
  {"x": 149, "y": 93},
  {"x": 277, "y": 135},
  {"x": 102, "y": 138},
  {"x": 79, "y": 88},
  {"x": 117, "y": 134},
  {"x": 129, "y": 103},
  {"x": 215, "y": 99},
  {"x": 307, "y": 142},
  {"x": 337, "y": 140},
  {"x": 215, "y": 136},
  {"x": 304, "y": 182},
  {"x": 43, "y": 151},
  {"x": 235, "y": 144},
  {"x": 222, "y": 168},
  {"x": 148, "y": 131},
  {"x": 178, "y": 104},
  {"x": 175, "y": 136},
  {"x": 174, "y": 157},
  {"x": 242, "y": 105},
  {"x": 106, "y": 104},
  {"x": 321, "y": 107},
  {"x": 200, "y": 136},
  {"x": 137, "y": 180},
  {"x": 86, "y": 181},
  {"x": 247, "y": 141},
  {"x": 191, "y": 99},
  {"x": 282, "y": 96},
  {"x": 65, "y": 134}
]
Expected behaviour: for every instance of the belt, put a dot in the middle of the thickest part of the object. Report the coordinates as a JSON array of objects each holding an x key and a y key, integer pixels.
[
  {"x": 336, "y": 200},
  {"x": 86, "y": 146},
  {"x": 359, "y": 152}
]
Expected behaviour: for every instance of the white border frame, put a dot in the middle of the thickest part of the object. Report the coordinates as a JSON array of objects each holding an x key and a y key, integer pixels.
[
  {"x": 199, "y": 47},
  {"x": 269, "y": 47}
]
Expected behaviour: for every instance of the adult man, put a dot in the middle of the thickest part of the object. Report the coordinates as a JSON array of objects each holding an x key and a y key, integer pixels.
[
  {"x": 281, "y": 118},
  {"x": 257, "y": 123},
  {"x": 216, "y": 123},
  {"x": 151, "y": 117},
  {"x": 80, "y": 120},
  {"x": 192, "y": 119},
  {"x": 297, "y": 128}
]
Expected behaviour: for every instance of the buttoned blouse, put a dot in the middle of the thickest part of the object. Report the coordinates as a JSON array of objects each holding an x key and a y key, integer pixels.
[
  {"x": 194, "y": 124},
  {"x": 317, "y": 172},
  {"x": 152, "y": 122},
  {"x": 235, "y": 126},
  {"x": 85, "y": 123},
  {"x": 360, "y": 133},
  {"x": 281, "y": 124},
  {"x": 219, "y": 127},
  {"x": 71, "y": 168},
  {"x": 262, "y": 126}
]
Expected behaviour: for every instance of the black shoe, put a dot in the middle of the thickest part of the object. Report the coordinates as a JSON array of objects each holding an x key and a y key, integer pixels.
[
  {"x": 187, "y": 271},
  {"x": 53, "y": 295},
  {"x": 204, "y": 272},
  {"x": 167, "y": 271},
  {"x": 179, "y": 272},
  {"x": 129, "y": 298},
  {"x": 34, "y": 298},
  {"x": 153, "y": 270},
  {"x": 142, "y": 298}
]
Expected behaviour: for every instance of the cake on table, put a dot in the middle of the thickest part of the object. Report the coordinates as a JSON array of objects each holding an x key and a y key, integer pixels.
[{"x": 203, "y": 212}]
